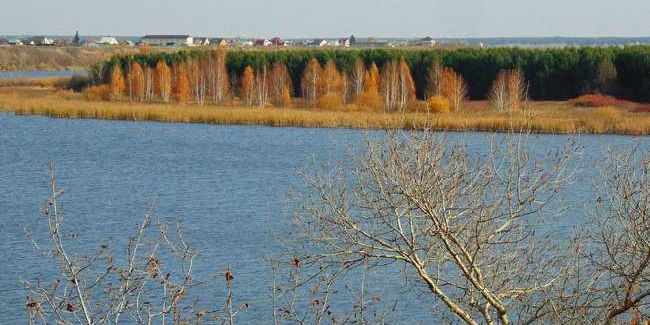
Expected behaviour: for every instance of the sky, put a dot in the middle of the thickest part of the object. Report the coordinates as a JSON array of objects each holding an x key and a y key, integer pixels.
[{"x": 328, "y": 18}]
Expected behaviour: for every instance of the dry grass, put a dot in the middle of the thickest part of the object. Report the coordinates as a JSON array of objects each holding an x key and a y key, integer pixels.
[
  {"x": 55, "y": 58},
  {"x": 542, "y": 117}
]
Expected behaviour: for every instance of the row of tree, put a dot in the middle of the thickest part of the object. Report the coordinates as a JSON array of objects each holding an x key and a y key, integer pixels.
[
  {"x": 200, "y": 80},
  {"x": 206, "y": 80},
  {"x": 553, "y": 74}
]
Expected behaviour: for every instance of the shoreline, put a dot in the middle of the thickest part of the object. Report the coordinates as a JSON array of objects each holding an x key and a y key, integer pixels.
[{"x": 541, "y": 118}]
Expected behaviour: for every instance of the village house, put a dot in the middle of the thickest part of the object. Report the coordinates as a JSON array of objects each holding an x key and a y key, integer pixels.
[
  {"x": 15, "y": 42},
  {"x": 39, "y": 41},
  {"x": 345, "y": 42},
  {"x": 201, "y": 41},
  {"x": 219, "y": 42},
  {"x": 277, "y": 41},
  {"x": 427, "y": 41},
  {"x": 167, "y": 40},
  {"x": 263, "y": 42}
]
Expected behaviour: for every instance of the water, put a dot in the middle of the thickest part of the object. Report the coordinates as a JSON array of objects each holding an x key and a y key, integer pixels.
[
  {"x": 40, "y": 74},
  {"x": 226, "y": 184}
]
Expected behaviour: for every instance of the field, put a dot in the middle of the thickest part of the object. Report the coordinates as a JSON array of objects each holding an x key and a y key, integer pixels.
[
  {"x": 540, "y": 117},
  {"x": 54, "y": 58}
]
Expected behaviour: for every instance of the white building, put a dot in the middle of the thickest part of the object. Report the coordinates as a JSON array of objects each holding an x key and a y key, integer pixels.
[
  {"x": 108, "y": 40},
  {"x": 168, "y": 40}
]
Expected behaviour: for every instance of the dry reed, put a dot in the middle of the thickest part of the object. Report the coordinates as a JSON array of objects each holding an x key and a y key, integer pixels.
[{"x": 542, "y": 117}]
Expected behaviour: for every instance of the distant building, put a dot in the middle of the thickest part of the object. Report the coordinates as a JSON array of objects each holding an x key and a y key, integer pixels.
[
  {"x": 277, "y": 41},
  {"x": 15, "y": 42},
  {"x": 219, "y": 42},
  {"x": 201, "y": 41},
  {"x": 107, "y": 41},
  {"x": 61, "y": 42},
  {"x": 168, "y": 40},
  {"x": 427, "y": 41},
  {"x": 263, "y": 42},
  {"x": 345, "y": 42},
  {"x": 4, "y": 42},
  {"x": 317, "y": 42},
  {"x": 39, "y": 41}
]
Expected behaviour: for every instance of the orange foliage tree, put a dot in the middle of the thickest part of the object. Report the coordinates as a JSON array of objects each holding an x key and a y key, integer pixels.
[
  {"x": 453, "y": 87},
  {"x": 369, "y": 98},
  {"x": 117, "y": 85},
  {"x": 181, "y": 86},
  {"x": 136, "y": 82},
  {"x": 331, "y": 86},
  {"x": 247, "y": 86},
  {"x": 162, "y": 81}
]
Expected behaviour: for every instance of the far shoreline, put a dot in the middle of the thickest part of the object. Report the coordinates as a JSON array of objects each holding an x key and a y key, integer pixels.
[{"x": 540, "y": 118}]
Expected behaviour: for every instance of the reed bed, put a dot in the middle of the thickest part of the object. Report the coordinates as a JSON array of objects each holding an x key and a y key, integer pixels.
[{"x": 541, "y": 117}]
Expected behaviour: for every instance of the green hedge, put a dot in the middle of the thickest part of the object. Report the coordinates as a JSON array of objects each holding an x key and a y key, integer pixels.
[{"x": 553, "y": 74}]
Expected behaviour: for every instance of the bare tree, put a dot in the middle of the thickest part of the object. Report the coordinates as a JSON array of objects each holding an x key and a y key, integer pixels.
[
  {"x": 509, "y": 90},
  {"x": 619, "y": 241},
  {"x": 463, "y": 228},
  {"x": 94, "y": 289}
]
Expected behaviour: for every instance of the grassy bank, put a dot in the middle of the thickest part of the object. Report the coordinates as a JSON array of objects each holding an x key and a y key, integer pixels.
[
  {"x": 542, "y": 117},
  {"x": 55, "y": 58}
]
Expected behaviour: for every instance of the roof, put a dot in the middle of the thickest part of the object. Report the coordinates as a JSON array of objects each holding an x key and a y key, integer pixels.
[{"x": 165, "y": 36}]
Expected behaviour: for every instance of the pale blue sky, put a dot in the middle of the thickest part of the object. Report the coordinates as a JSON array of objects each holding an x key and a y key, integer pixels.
[{"x": 329, "y": 18}]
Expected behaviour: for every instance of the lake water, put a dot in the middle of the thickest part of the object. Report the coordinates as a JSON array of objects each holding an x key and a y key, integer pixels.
[
  {"x": 40, "y": 74},
  {"x": 226, "y": 184}
]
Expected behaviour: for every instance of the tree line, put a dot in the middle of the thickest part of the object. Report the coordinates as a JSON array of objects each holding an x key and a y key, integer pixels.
[{"x": 550, "y": 74}]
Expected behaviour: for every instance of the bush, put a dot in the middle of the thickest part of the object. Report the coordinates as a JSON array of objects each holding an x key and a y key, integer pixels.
[
  {"x": 78, "y": 83},
  {"x": 98, "y": 93},
  {"x": 595, "y": 100},
  {"x": 438, "y": 104},
  {"x": 330, "y": 101},
  {"x": 642, "y": 109},
  {"x": 369, "y": 100}
]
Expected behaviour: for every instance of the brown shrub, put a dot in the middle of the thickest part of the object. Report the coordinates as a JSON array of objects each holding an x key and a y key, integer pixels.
[
  {"x": 595, "y": 100},
  {"x": 438, "y": 104},
  {"x": 98, "y": 93},
  {"x": 369, "y": 100},
  {"x": 330, "y": 101},
  {"x": 645, "y": 108}
]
